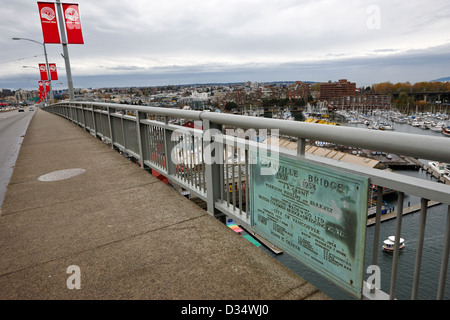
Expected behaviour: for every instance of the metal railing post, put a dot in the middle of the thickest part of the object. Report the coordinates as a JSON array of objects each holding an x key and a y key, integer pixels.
[
  {"x": 94, "y": 125},
  {"x": 84, "y": 119},
  {"x": 396, "y": 246},
  {"x": 301, "y": 146},
  {"x": 72, "y": 111},
  {"x": 123, "y": 129},
  {"x": 423, "y": 217},
  {"x": 376, "y": 235},
  {"x": 140, "y": 128},
  {"x": 212, "y": 169},
  {"x": 444, "y": 261},
  {"x": 111, "y": 131},
  {"x": 168, "y": 145}
]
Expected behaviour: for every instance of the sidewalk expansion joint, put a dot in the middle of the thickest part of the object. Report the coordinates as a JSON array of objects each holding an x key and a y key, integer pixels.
[{"x": 299, "y": 287}]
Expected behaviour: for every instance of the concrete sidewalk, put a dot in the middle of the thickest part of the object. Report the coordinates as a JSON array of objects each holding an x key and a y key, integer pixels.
[{"x": 132, "y": 236}]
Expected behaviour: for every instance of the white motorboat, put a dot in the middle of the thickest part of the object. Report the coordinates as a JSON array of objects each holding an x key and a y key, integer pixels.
[
  {"x": 446, "y": 131},
  {"x": 385, "y": 126},
  {"x": 439, "y": 167},
  {"x": 389, "y": 244},
  {"x": 417, "y": 123},
  {"x": 437, "y": 127}
]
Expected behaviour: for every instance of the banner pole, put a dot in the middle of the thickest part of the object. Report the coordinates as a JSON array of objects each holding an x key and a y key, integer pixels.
[{"x": 65, "y": 49}]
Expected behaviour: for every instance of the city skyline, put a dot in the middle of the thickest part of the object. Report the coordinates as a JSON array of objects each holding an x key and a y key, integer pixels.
[{"x": 154, "y": 43}]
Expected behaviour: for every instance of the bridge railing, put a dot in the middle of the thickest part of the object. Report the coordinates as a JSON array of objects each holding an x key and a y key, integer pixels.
[{"x": 208, "y": 154}]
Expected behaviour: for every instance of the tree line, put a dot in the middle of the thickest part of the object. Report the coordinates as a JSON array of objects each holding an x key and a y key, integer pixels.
[{"x": 407, "y": 87}]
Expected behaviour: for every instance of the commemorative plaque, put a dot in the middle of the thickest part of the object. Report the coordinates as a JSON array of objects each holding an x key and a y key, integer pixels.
[{"x": 316, "y": 214}]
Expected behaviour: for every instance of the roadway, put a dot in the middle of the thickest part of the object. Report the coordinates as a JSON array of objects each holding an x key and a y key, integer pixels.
[{"x": 13, "y": 126}]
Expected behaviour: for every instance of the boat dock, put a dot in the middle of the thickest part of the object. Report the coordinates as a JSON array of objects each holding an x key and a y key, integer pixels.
[{"x": 408, "y": 210}]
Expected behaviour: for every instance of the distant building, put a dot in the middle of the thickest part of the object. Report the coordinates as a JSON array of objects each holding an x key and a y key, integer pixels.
[
  {"x": 342, "y": 88},
  {"x": 298, "y": 90},
  {"x": 371, "y": 101}
]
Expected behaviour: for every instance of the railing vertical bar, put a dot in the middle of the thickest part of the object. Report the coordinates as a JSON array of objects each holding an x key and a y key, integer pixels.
[
  {"x": 401, "y": 196},
  {"x": 186, "y": 158},
  {"x": 247, "y": 204},
  {"x": 182, "y": 160},
  {"x": 123, "y": 129},
  {"x": 94, "y": 124},
  {"x": 110, "y": 124},
  {"x": 102, "y": 117},
  {"x": 423, "y": 218},
  {"x": 176, "y": 136},
  {"x": 203, "y": 165},
  {"x": 201, "y": 168},
  {"x": 84, "y": 118},
  {"x": 233, "y": 194},
  {"x": 195, "y": 154},
  {"x": 140, "y": 133},
  {"x": 193, "y": 174},
  {"x": 227, "y": 174},
  {"x": 160, "y": 147},
  {"x": 444, "y": 260},
  {"x": 301, "y": 144},
  {"x": 222, "y": 176},
  {"x": 146, "y": 143},
  {"x": 150, "y": 143},
  {"x": 156, "y": 145},
  {"x": 157, "y": 153},
  {"x": 376, "y": 236},
  {"x": 240, "y": 180},
  {"x": 190, "y": 159},
  {"x": 200, "y": 163}
]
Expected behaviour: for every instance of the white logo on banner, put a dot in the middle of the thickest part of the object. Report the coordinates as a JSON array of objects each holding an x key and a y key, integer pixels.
[
  {"x": 48, "y": 13},
  {"x": 71, "y": 14}
]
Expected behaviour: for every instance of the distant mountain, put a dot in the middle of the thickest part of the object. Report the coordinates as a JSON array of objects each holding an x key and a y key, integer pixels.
[{"x": 443, "y": 79}]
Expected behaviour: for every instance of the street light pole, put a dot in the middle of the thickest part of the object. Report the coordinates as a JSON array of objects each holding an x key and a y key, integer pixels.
[
  {"x": 65, "y": 50},
  {"x": 46, "y": 63}
]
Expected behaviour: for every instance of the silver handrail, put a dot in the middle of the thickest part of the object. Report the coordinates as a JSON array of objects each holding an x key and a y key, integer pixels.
[{"x": 221, "y": 186}]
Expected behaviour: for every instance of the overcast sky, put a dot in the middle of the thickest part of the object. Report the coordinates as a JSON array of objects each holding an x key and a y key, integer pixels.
[{"x": 147, "y": 43}]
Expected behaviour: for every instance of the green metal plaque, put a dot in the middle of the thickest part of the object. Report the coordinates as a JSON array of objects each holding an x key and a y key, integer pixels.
[{"x": 316, "y": 214}]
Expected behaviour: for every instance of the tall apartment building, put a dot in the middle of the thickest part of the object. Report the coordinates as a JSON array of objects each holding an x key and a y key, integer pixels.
[{"x": 342, "y": 88}]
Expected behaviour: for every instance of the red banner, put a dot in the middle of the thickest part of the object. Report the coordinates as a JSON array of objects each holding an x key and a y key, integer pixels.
[
  {"x": 43, "y": 71},
  {"x": 47, "y": 85},
  {"x": 49, "y": 24},
  {"x": 41, "y": 91},
  {"x": 73, "y": 25},
  {"x": 53, "y": 72}
]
